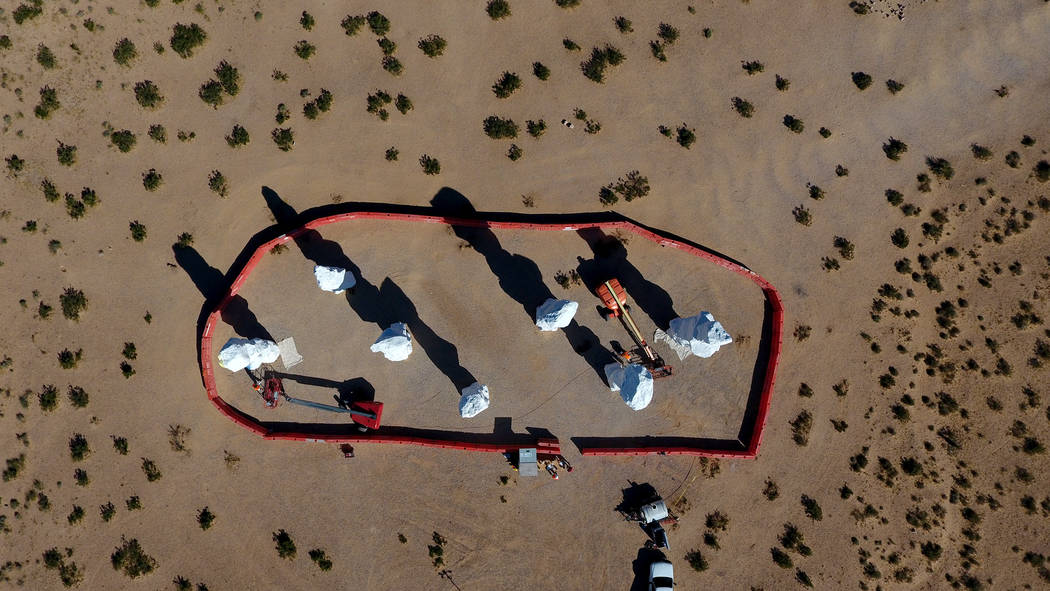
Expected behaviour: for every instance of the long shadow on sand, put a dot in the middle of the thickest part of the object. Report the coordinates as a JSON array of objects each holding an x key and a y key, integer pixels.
[
  {"x": 442, "y": 206},
  {"x": 213, "y": 286},
  {"x": 384, "y": 305},
  {"x": 520, "y": 278},
  {"x": 347, "y": 391}
]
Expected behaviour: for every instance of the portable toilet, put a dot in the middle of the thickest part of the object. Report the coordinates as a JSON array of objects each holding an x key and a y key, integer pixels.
[{"x": 527, "y": 462}]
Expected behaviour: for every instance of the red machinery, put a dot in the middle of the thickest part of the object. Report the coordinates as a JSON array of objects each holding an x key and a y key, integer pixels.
[
  {"x": 614, "y": 298},
  {"x": 365, "y": 413}
]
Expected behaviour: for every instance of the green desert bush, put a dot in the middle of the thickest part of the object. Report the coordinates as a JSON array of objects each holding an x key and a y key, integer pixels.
[
  {"x": 432, "y": 45},
  {"x": 67, "y": 154},
  {"x": 304, "y": 49},
  {"x": 27, "y": 11},
  {"x": 686, "y": 136},
  {"x": 861, "y": 80},
  {"x": 536, "y": 128},
  {"x": 782, "y": 84},
  {"x": 498, "y": 9},
  {"x": 284, "y": 544},
  {"x": 753, "y": 67},
  {"x": 73, "y": 303},
  {"x": 211, "y": 93},
  {"x": 743, "y": 108},
  {"x": 157, "y": 133},
  {"x": 78, "y": 447},
  {"x": 307, "y": 21},
  {"x": 131, "y": 559},
  {"x": 893, "y": 86},
  {"x": 379, "y": 24},
  {"x": 1013, "y": 159},
  {"x": 205, "y": 518},
  {"x": 76, "y": 515},
  {"x": 1042, "y": 171},
  {"x": 228, "y": 77},
  {"x": 78, "y": 397},
  {"x": 238, "y": 137},
  {"x": 667, "y": 33},
  {"x": 152, "y": 180},
  {"x": 393, "y": 65},
  {"x": 940, "y": 167},
  {"x": 601, "y": 58},
  {"x": 184, "y": 240},
  {"x": 391, "y": 154},
  {"x": 802, "y": 215},
  {"x": 429, "y": 164},
  {"x": 138, "y": 231},
  {"x": 133, "y": 503},
  {"x": 321, "y": 559},
  {"x": 148, "y": 95},
  {"x": 69, "y": 359},
  {"x": 514, "y": 153},
  {"x": 623, "y": 24},
  {"x": 540, "y": 71},
  {"x": 49, "y": 103},
  {"x": 186, "y": 38},
  {"x": 284, "y": 138},
  {"x": 403, "y": 104},
  {"x": 124, "y": 140},
  {"x": 500, "y": 128},
  {"x": 696, "y": 560},
  {"x": 507, "y": 84},
  {"x": 793, "y": 123},
  {"x": 893, "y": 148},
  {"x": 899, "y": 238},
  {"x": 45, "y": 57},
  {"x": 51, "y": 193},
  {"x": 352, "y": 24},
  {"x": 217, "y": 183},
  {"x": 15, "y": 164},
  {"x": 387, "y": 46},
  {"x": 149, "y": 468},
  {"x": 48, "y": 398}
]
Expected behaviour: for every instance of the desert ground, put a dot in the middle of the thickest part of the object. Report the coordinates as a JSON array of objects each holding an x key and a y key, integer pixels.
[{"x": 884, "y": 164}]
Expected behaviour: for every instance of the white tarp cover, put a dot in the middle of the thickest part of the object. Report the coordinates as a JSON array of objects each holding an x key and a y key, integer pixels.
[
  {"x": 699, "y": 335},
  {"x": 238, "y": 354},
  {"x": 475, "y": 398},
  {"x": 395, "y": 343},
  {"x": 555, "y": 314},
  {"x": 634, "y": 382},
  {"x": 334, "y": 279}
]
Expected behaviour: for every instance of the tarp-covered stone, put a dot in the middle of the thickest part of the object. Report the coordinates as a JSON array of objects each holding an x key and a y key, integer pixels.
[
  {"x": 633, "y": 382},
  {"x": 699, "y": 335},
  {"x": 238, "y": 354},
  {"x": 395, "y": 343},
  {"x": 555, "y": 314},
  {"x": 474, "y": 399},
  {"x": 334, "y": 279}
]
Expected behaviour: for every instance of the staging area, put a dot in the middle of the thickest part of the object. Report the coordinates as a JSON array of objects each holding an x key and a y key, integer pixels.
[{"x": 468, "y": 297}]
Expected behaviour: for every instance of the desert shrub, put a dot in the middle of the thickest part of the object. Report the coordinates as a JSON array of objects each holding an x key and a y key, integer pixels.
[
  {"x": 228, "y": 77},
  {"x": 284, "y": 138},
  {"x": 138, "y": 231},
  {"x": 78, "y": 447},
  {"x": 500, "y": 128},
  {"x": 391, "y": 154},
  {"x": 540, "y": 71},
  {"x": 824, "y": 132},
  {"x": 152, "y": 180},
  {"x": 894, "y": 197},
  {"x": 49, "y": 103},
  {"x": 48, "y": 398},
  {"x": 686, "y": 137},
  {"x": 321, "y": 559},
  {"x": 186, "y": 136},
  {"x": 45, "y": 57},
  {"x": 76, "y": 515},
  {"x": 432, "y": 45},
  {"x": 841, "y": 170},
  {"x": 217, "y": 183},
  {"x": 802, "y": 215},
  {"x": 149, "y": 468},
  {"x": 696, "y": 560},
  {"x": 126, "y": 369},
  {"x": 73, "y": 303},
  {"x": 352, "y": 24},
  {"x": 379, "y": 24},
  {"x": 393, "y": 65},
  {"x": 15, "y": 164},
  {"x": 743, "y": 107},
  {"x": 81, "y": 477},
  {"x": 285, "y": 546},
  {"x": 107, "y": 511},
  {"x": 211, "y": 93},
  {"x": 5, "y": 42},
  {"x": 846, "y": 248},
  {"x": 940, "y": 167},
  {"x": 793, "y": 123},
  {"x": 430, "y": 164},
  {"x": 498, "y": 9},
  {"x": 899, "y": 238},
  {"x": 27, "y": 11},
  {"x": 657, "y": 50},
  {"x": 78, "y": 397},
  {"x": 184, "y": 240},
  {"x": 131, "y": 559},
  {"x": 238, "y": 137},
  {"x": 800, "y": 427},
  {"x": 668, "y": 33},
  {"x": 1013, "y": 159},
  {"x": 623, "y": 24},
  {"x": 120, "y": 444},
  {"x": 124, "y": 140},
  {"x": 304, "y": 49},
  {"x": 310, "y": 110},
  {"x": 861, "y": 8},
  {"x": 514, "y": 153},
  {"x": 67, "y": 154},
  {"x": 507, "y": 84},
  {"x": 148, "y": 95},
  {"x": 570, "y": 44},
  {"x": 1042, "y": 171},
  {"x": 157, "y": 133},
  {"x": 980, "y": 152},
  {"x": 782, "y": 83},
  {"x": 324, "y": 101},
  {"x": 812, "y": 508},
  {"x": 753, "y": 67},
  {"x": 780, "y": 558},
  {"x": 630, "y": 186},
  {"x": 205, "y": 518},
  {"x": 307, "y": 21},
  {"x": 893, "y": 148},
  {"x": 536, "y": 128},
  {"x": 186, "y": 38},
  {"x": 815, "y": 192},
  {"x": 1027, "y": 141},
  {"x": 133, "y": 503},
  {"x": 861, "y": 80},
  {"x": 387, "y": 46},
  {"x": 14, "y": 467},
  {"x": 51, "y": 193},
  {"x": 282, "y": 114}
]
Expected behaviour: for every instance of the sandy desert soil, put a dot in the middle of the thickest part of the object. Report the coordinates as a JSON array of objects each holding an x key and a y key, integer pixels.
[{"x": 906, "y": 440}]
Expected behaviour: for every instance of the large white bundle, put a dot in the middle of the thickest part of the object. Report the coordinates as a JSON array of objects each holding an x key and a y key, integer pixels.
[
  {"x": 394, "y": 343},
  {"x": 555, "y": 314},
  {"x": 634, "y": 382},
  {"x": 475, "y": 398},
  {"x": 699, "y": 335},
  {"x": 334, "y": 279},
  {"x": 238, "y": 354}
]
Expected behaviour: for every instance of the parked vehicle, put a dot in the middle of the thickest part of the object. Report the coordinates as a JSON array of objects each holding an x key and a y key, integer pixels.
[{"x": 661, "y": 576}]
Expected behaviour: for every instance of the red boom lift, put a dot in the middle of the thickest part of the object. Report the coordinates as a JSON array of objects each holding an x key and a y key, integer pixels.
[{"x": 614, "y": 298}]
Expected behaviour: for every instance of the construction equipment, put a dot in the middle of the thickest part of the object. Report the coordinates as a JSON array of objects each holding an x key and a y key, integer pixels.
[
  {"x": 365, "y": 413},
  {"x": 614, "y": 298}
]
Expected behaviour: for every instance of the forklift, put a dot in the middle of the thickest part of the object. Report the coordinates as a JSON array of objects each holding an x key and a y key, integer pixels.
[{"x": 614, "y": 298}]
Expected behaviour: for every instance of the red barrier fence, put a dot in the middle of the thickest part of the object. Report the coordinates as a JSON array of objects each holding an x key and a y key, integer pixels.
[{"x": 549, "y": 446}]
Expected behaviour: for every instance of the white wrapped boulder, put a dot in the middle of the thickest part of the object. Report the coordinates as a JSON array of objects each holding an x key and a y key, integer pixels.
[
  {"x": 395, "y": 343},
  {"x": 633, "y": 382},
  {"x": 699, "y": 335},
  {"x": 238, "y": 354},
  {"x": 334, "y": 279},
  {"x": 555, "y": 314},
  {"x": 475, "y": 398}
]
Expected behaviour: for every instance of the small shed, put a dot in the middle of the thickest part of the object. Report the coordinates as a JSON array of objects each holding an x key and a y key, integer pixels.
[{"x": 527, "y": 462}]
